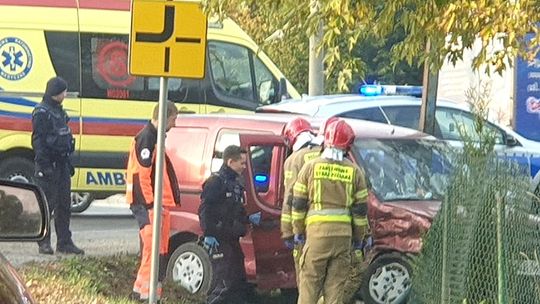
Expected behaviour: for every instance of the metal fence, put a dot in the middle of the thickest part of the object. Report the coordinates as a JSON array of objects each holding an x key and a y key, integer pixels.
[{"x": 484, "y": 244}]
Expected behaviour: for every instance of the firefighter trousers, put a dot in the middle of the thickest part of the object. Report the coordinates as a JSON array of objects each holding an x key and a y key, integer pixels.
[
  {"x": 297, "y": 253},
  {"x": 142, "y": 283},
  {"x": 322, "y": 264}
]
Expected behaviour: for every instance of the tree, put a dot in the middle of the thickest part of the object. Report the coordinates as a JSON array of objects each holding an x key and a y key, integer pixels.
[{"x": 451, "y": 26}]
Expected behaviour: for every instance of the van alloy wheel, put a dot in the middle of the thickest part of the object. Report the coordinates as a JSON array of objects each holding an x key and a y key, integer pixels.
[
  {"x": 390, "y": 283},
  {"x": 189, "y": 266},
  {"x": 387, "y": 280},
  {"x": 188, "y": 271}
]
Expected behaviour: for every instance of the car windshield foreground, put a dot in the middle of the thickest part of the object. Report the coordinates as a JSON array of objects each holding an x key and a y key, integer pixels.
[
  {"x": 23, "y": 217},
  {"x": 402, "y": 170}
]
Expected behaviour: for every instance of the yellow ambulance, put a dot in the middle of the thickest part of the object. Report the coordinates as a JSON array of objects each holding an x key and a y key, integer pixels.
[{"x": 86, "y": 43}]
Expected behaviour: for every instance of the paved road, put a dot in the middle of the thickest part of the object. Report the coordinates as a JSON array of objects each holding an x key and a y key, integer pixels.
[{"x": 106, "y": 228}]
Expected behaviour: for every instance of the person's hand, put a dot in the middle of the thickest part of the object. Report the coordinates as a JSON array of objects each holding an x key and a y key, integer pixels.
[
  {"x": 289, "y": 243},
  {"x": 299, "y": 239},
  {"x": 358, "y": 250},
  {"x": 211, "y": 242}
]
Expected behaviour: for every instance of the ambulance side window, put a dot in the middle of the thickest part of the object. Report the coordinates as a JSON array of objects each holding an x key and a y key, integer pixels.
[
  {"x": 105, "y": 73},
  {"x": 64, "y": 51},
  {"x": 231, "y": 70},
  {"x": 239, "y": 79}
]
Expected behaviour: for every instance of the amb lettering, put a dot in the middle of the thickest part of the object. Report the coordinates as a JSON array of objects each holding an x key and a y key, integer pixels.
[
  {"x": 333, "y": 172},
  {"x": 105, "y": 178}
]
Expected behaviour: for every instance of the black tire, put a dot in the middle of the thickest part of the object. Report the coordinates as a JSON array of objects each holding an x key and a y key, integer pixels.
[
  {"x": 190, "y": 267},
  {"x": 22, "y": 170},
  {"x": 80, "y": 201},
  {"x": 394, "y": 271},
  {"x": 17, "y": 169}
]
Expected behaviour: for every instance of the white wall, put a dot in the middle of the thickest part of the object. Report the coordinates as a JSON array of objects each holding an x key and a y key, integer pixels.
[{"x": 455, "y": 80}]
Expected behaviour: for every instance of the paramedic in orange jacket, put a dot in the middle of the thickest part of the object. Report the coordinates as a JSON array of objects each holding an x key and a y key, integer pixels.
[{"x": 140, "y": 196}]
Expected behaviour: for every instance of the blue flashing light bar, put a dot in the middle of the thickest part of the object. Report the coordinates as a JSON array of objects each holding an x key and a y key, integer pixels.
[
  {"x": 376, "y": 90},
  {"x": 260, "y": 178},
  {"x": 371, "y": 90}
]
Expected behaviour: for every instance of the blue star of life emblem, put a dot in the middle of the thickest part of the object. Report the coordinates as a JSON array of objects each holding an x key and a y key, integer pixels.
[{"x": 16, "y": 58}]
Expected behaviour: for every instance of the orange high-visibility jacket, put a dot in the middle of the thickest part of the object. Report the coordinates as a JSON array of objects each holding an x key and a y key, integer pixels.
[{"x": 141, "y": 172}]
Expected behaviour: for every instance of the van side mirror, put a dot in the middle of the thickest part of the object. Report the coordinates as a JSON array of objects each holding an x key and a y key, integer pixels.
[
  {"x": 24, "y": 214},
  {"x": 282, "y": 90},
  {"x": 511, "y": 141},
  {"x": 451, "y": 127}
]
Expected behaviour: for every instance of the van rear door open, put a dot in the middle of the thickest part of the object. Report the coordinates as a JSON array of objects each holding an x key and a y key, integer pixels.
[{"x": 264, "y": 189}]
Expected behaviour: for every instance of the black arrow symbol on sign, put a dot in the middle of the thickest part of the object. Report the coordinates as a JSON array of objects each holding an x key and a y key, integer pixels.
[{"x": 168, "y": 29}]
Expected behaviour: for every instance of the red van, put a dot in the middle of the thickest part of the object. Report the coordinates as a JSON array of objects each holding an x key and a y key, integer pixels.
[{"x": 406, "y": 170}]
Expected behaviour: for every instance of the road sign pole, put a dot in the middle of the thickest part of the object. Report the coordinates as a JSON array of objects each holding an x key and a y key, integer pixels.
[{"x": 158, "y": 189}]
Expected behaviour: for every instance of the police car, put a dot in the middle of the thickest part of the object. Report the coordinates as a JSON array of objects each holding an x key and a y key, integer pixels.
[{"x": 403, "y": 109}]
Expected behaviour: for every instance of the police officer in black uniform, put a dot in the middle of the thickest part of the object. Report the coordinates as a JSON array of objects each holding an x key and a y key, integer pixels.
[
  {"x": 53, "y": 144},
  {"x": 223, "y": 221}
]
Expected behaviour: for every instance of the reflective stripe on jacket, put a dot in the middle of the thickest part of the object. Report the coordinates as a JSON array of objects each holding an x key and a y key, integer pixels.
[
  {"x": 292, "y": 166},
  {"x": 330, "y": 199},
  {"x": 141, "y": 172}
]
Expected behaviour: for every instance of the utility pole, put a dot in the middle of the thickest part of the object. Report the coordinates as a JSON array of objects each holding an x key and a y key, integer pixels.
[
  {"x": 316, "y": 59},
  {"x": 429, "y": 96}
]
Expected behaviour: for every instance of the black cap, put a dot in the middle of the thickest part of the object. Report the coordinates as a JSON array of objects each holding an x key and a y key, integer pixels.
[{"x": 55, "y": 86}]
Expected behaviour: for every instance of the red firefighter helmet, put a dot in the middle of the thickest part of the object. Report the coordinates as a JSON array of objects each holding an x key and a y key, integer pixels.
[
  {"x": 294, "y": 127},
  {"x": 338, "y": 135},
  {"x": 326, "y": 123}
]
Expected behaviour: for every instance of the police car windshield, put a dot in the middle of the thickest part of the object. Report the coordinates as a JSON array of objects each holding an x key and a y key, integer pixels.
[{"x": 404, "y": 170}]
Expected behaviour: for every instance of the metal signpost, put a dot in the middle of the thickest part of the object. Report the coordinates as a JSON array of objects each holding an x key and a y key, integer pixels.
[{"x": 167, "y": 39}]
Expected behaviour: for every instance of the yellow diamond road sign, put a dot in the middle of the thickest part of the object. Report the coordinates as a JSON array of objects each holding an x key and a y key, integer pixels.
[{"x": 168, "y": 38}]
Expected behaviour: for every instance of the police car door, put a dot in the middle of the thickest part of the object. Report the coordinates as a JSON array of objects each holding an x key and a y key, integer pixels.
[
  {"x": 450, "y": 120},
  {"x": 264, "y": 193}
]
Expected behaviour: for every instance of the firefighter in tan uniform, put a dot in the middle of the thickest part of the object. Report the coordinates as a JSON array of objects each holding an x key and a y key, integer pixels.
[
  {"x": 298, "y": 135},
  {"x": 140, "y": 196},
  {"x": 329, "y": 211}
]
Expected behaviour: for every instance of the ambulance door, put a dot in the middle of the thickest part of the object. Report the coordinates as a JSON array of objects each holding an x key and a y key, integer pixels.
[
  {"x": 36, "y": 44},
  {"x": 264, "y": 195}
]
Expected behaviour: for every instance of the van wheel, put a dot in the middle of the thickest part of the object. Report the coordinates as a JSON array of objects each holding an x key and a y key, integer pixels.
[
  {"x": 80, "y": 201},
  {"x": 17, "y": 169},
  {"x": 387, "y": 280},
  {"x": 190, "y": 267}
]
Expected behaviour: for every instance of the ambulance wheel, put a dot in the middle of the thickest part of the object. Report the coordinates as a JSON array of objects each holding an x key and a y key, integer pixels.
[
  {"x": 80, "y": 201},
  {"x": 387, "y": 280},
  {"x": 190, "y": 267},
  {"x": 17, "y": 169}
]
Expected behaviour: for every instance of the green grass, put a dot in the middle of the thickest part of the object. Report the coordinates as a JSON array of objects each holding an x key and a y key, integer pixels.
[
  {"x": 91, "y": 280},
  {"x": 102, "y": 280}
]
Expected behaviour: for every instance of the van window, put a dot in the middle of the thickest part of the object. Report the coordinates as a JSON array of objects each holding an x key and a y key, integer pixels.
[
  {"x": 261, "y": 160},
  {"x": 64, "y": 51},
  {"x": 105, "y": 73},
  {"x": 225, "y": 139},
  {"x": 231, "y": 70}
]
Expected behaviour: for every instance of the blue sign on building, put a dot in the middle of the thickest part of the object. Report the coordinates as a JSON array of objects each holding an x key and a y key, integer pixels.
[{"x": 527, "y": 98}]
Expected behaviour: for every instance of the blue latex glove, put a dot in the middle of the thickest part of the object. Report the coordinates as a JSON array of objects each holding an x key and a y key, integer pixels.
[
  {"x": 289, "y": 243},
  {"x": 299, "y": 239},
  {"x": 368, "y": 243},
  {"x": 255, "y": 218},
  {"x": 211, "y": 242}
]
